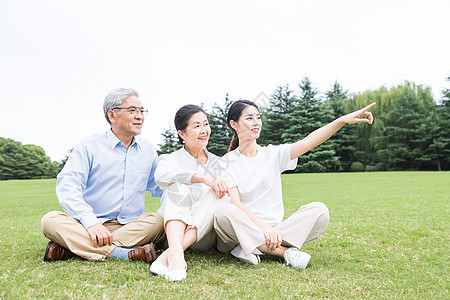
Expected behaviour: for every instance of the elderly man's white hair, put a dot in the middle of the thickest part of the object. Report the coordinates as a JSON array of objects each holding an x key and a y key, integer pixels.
[{"x": 115, "y": 98}]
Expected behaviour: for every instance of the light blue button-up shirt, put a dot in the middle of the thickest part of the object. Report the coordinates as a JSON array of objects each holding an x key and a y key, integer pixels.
[{"x": 103, "y": 180}]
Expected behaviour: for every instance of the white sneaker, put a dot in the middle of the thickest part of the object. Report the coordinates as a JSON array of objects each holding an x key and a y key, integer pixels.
[
  {"x": 252, "y": 259},
  {"x": 157, "y": 268},
  {"x": 296, "y": 258},
  {"x": 175, "y": 275}
]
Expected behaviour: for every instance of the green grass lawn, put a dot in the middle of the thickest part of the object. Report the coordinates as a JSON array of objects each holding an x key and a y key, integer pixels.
[{"x": 388, "y": 238}]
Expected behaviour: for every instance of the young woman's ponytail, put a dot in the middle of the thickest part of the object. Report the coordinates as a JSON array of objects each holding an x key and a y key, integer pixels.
[{"x": 234, "y": 142}]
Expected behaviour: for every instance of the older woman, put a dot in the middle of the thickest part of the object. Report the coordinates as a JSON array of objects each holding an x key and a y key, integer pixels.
[
  {"x": 194, "y": 183},
  {"x": 253, "y": 223}
]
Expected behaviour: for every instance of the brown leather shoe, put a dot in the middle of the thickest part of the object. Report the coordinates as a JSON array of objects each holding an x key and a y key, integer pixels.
[
  {"x": 55, "y": 252},
  {"x": 145, "y": 253}
]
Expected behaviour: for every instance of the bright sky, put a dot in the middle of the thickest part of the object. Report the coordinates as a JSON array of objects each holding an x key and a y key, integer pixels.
[{"x": 60, "y": 58}]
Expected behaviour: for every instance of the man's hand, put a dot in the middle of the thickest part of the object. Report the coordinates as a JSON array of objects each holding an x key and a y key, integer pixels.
[{"x": 100, "y": 235}]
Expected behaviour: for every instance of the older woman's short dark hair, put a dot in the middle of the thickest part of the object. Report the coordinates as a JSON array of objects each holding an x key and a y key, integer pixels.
[{"x": 183, "y": 115}]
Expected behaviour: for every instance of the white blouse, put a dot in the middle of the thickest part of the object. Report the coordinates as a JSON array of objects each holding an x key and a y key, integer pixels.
[{"x": 180, "y": 166}]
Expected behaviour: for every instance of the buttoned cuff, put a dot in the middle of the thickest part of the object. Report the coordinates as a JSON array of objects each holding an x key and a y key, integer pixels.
[{"x": 89, "y": 220}]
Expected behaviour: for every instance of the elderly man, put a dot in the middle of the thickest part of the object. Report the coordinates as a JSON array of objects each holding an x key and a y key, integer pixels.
[{"x": 102, "y": 189}]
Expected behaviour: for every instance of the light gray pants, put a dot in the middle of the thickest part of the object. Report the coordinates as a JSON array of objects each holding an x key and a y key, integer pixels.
[{"x": 234, "y": 227}]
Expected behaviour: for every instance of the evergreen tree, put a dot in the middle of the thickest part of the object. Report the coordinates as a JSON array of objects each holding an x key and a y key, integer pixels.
[
  {"x": 308, "y": 114},
  {"x": 344, "y": 139},
  {"x": 442, "y": 149},
  {"x": 445, "y": 101},
  {"x": 433, "y": 152},
  {"x": 170, "y": 142},
  {"x": 274, "y": 118},
  {"x": 221, "y": 136},
  {"x": 437, "y": 134},
  {"x": 404, "y": 138}
]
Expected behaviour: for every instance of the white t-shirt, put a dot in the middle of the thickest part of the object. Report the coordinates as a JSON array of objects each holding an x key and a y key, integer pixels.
[
  {"x": 180, "y": 166},
  {"x": 258, "y": 179}
]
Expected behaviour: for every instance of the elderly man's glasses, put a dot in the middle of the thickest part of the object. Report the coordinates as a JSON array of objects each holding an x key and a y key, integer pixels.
[{"x": 134, "y": 110}]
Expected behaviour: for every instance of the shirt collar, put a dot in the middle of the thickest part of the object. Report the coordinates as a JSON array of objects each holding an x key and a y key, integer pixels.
[
  {"x": 113, "y": 140},
  {"x": 190, "y": 157},
  {"x": 239, "y": 154}
]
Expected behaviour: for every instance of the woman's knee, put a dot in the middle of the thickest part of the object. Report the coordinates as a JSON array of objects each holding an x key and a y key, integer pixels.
[
  {"x": 322, "y": 211},
  {"x": 318, "y": 209},
  {"x": 222, "y": 213},
  {"x": 178, "y": 194},
  {"x": 318, "y": 206}
]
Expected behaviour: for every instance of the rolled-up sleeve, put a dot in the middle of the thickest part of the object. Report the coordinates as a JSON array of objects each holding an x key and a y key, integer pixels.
[{"x": 168, "y": 173}]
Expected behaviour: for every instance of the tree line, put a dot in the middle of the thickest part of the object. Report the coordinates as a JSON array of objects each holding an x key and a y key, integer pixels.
[
  {"x": 411, "y": 130},
  {"x": 19, "y": 161}
]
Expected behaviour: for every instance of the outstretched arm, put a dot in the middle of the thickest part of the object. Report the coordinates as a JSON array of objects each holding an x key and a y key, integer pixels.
[{"x": 322, "y": 134}]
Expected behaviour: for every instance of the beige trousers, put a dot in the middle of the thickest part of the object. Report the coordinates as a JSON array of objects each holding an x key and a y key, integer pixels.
[
  {"x": 234, "y": 227},
  {"x": 63, "y": 229},
  {"x": 180, "y": 204}
]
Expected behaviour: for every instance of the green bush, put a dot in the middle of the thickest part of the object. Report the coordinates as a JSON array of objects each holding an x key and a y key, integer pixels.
[
  {"x": 310, "y": 167},
  {"x": 380, "y": 167},
  {"x": 357, "y": 167}
]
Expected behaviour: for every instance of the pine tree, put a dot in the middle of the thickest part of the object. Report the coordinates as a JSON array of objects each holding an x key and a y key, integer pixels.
[
  {"x": 445, "y": 101},
  {"x": 438, "y": 134},
  {"x": 220, "y": 134},
  {"x": 274, "y": 118},
  {"x": 170, "y": 142},
  {"x": 404, "y": 141},
  {"x": 433, "y": 152},
  {"x": 308, "y": 114},
  {"x": 344, "y": 139}
]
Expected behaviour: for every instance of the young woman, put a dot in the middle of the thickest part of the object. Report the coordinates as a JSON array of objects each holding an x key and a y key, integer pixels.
[
  {"x": 193, "y": 180},
  {"x": 254, "y": 223}
]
